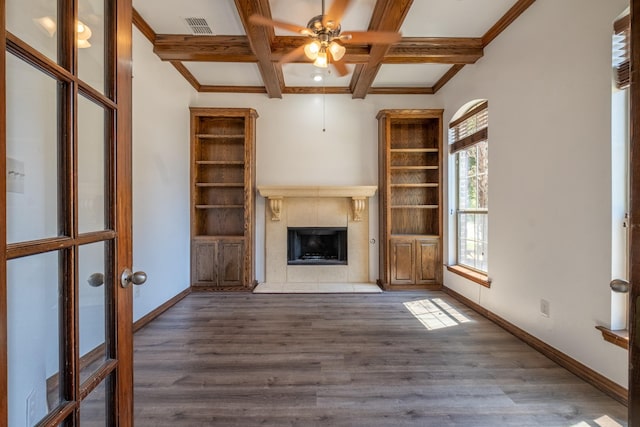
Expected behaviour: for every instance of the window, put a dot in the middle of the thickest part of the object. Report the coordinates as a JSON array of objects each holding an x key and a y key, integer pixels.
[
  {"x": 617, "y": 330},
  {"x": 620, "y": 116},
  {"x": 468, "y": 138}
]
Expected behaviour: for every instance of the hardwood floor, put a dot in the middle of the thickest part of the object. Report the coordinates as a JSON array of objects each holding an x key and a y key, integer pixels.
[{"x": 349, "y": 360}]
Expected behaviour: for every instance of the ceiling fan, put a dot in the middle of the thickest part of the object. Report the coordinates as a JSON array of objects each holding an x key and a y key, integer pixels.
[{"x": 326, "y": 38}]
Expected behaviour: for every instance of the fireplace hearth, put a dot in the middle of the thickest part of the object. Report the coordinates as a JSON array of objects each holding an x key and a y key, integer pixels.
[{"x": 317, "y": 246}]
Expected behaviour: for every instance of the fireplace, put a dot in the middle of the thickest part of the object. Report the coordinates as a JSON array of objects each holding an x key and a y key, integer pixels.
[
  {"x": 316, "y": 246},
  {"x": 321, "y": 207}
]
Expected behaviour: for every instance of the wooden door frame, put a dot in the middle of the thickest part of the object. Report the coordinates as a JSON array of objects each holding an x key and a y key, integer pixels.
[
  {"x": 123, "y": 34},
  {"x": 634, "y": 232},
  {"x": 4, "y": 380},
  {"x": 121, "y": 31}
]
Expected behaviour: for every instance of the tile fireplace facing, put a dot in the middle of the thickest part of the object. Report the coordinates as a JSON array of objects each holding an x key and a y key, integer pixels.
[{"x": 317, "y": 207}]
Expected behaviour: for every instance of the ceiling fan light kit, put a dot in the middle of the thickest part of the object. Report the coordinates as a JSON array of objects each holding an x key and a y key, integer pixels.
[
  {"x": 337, "y": 51},
  {"x": 323, "y": 42},
  {"x": 312, "y": 49},
  {"x": 325, "y": 32},
  {"x": 321, "y": 60}
]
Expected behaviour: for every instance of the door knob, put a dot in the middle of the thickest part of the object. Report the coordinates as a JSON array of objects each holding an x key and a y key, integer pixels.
[
  {"x": 619, "y": 285},
  {"x": 96, "y": 279},
  {"x": 128, "y": 277}
]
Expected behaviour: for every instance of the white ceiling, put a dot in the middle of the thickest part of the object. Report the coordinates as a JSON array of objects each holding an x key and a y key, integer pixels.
[
  {"x": 453, "y": 18},
  {"x": 167, "y": 16},
  {"x": 302, "y": 75},
  {"x": 418, "y": 75},
  {"x": 225, "y": 73},
  {"x": 426, "y": 18},
  {"x": 299, "y": 12}
]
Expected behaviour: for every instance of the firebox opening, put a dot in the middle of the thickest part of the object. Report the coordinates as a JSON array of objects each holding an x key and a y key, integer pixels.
[{"x": 316, "y": 245}]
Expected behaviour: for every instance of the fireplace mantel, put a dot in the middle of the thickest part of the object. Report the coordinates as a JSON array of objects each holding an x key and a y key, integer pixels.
[{"x": 277, "y": 193}]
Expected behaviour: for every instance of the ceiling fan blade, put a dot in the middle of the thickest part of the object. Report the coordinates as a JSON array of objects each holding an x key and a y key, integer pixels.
[
  {"x": 256, "y": 19},
  {"x": 292, "y": 55},
  {"x": 341, "y": 68},
  {"x": 335, "y": 12},
  {"x": 370, "y": 37}
]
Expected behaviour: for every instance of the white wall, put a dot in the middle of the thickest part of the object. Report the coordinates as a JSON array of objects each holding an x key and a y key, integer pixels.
[
  {"x": 548, "y": 82},
  {"x": 293, "y": 149},
  {"x": 161, "y": 98}
]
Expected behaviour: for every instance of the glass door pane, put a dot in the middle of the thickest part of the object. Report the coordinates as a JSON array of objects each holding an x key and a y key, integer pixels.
[
  {"x": 33, "y": 300},
  {"x": 94, "y": 409},
  {"x": 91, "y": 166},
  {"x": 92, "y": 295},
  {"x": 91, "y": 43},
  {"x": 32, "y": 152},
  {"x": 36, "y": 23}
]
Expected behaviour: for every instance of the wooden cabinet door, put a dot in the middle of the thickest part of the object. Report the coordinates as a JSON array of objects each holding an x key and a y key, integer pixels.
[
  {"x": 427, "y": 261},
  {"x": 402, "y": 262},
  {"x": 230, "y": 263},
  {"x": 204, "y": 268}
]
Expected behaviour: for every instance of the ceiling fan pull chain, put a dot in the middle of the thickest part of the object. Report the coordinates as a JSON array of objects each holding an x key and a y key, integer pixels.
[{"x": 324, "y": 106}]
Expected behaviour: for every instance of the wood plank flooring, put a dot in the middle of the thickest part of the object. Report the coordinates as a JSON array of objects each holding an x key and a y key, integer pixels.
[{"x": 228, "y": 359}]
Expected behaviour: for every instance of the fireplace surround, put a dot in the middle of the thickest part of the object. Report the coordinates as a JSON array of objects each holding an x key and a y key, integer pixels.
[{"x": 330, "y": 207}]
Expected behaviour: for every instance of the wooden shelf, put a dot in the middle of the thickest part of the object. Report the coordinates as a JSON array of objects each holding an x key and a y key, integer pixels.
[
  {"x": 219, "y": 206},
  {"x": 416, "y": 168},
  {"x": 414, "y": 207},
  {"x": 417, "y": 185},
  {"x": 211, "y": 136},
  {"x": 414, "y": 150},
  {"x": 209, "y": 238},
  {"x": 220, "y": 184},
  {"x": 220, "y": 162}
]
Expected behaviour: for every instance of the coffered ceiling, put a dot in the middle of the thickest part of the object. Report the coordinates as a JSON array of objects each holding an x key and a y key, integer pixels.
[{"x": 439, "y": 37}]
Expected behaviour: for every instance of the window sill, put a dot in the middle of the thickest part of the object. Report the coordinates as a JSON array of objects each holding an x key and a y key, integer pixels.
[
  {"x": 619, "y": 338},
  {"x": 474, "y": 276}
]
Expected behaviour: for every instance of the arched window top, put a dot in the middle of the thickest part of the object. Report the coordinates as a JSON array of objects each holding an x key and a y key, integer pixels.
[
  {"x": 468, "y": 106},
  {"x": 469, "y": 125}
]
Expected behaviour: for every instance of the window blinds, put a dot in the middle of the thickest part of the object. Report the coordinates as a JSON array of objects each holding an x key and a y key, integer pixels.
[
  {"x": 621, "y": 51},
  {"x": 470, "y": 128}
]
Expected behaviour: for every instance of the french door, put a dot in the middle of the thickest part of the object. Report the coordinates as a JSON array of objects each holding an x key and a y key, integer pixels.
[{"x": 65, "y": 304}]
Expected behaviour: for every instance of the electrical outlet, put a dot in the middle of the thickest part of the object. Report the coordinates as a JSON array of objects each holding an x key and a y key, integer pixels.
[{"x": 545, "y": 308}]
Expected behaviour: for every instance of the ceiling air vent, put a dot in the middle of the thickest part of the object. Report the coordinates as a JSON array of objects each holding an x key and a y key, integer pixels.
[{"x": 198, "y": 26}]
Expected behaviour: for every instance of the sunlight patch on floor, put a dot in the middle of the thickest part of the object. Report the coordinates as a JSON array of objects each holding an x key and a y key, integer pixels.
[
  {"x": 603, "y": 421},
  {"x": 434, "y": 313}
]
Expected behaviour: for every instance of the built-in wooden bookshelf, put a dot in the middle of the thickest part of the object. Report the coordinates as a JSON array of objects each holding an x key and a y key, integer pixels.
[
  {"x": 410, "y": 175},
  {"x": 222, "y": 198}
]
